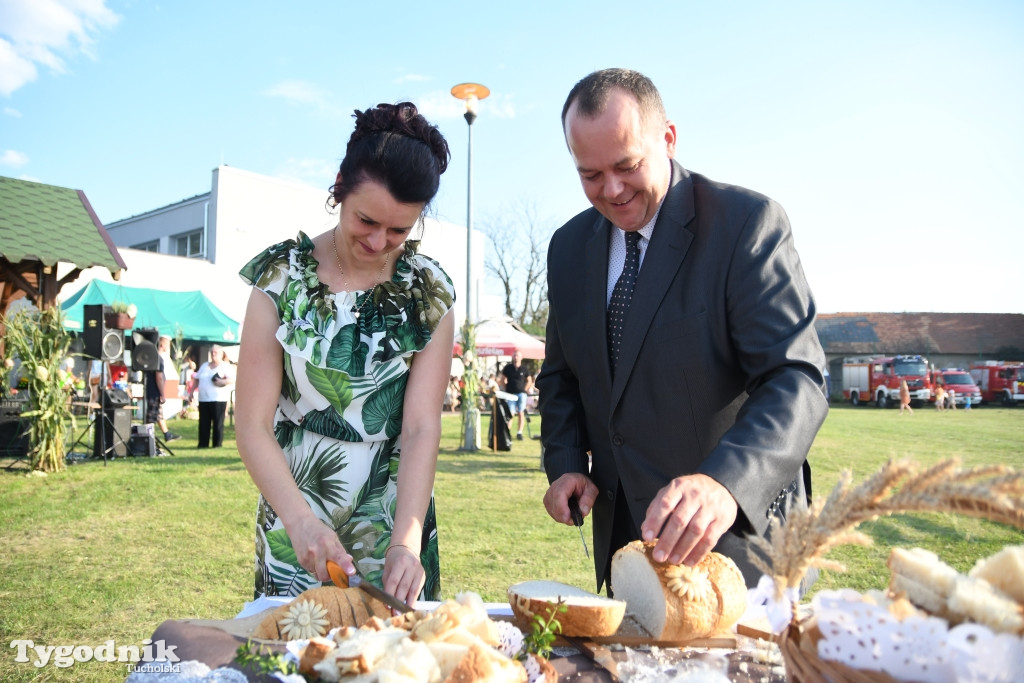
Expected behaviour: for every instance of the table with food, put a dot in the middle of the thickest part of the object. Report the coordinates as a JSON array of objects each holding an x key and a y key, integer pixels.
[{"x": 671, "y": 622}]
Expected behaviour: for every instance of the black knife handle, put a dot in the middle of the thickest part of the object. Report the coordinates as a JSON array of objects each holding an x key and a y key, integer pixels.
[{"x": 574, "y": 511}]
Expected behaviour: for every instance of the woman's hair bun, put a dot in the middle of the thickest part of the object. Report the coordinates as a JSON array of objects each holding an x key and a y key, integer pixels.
[
  {"x": 402, "y": 119},
  {"x": 394, "y": 145}
]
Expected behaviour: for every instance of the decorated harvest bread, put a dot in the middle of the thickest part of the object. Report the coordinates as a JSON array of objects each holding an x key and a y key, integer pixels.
[
  {"x": 586, "y": 614},
  {"x": 676, "y": 602},
  {"x": 317, "y": 611}
]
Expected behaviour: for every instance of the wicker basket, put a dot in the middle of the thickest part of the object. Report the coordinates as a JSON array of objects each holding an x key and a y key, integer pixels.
[
  {"x": 992, "y": 492},
  {"x": 803, "y": 665}
]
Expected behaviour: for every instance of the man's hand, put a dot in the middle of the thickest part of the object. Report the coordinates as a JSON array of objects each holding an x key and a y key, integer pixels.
[
  {"x": 556, "y": 499},
  {"x": 688, "y": 517}
]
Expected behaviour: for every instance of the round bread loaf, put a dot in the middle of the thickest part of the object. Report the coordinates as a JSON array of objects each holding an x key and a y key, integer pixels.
[
  {"x": 676, "y": 602},
  {"x": 586, "y": 614},
  {"x": 331, "y": 605}
]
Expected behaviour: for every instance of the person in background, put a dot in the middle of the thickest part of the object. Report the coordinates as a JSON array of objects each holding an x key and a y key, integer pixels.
[
  {"x": 905, "y": 397},
  {"x": 185, "y": 381},
  {"x": 95, "y": 380},
  {"x": 940, "y": 397},
  {"x": 700, "y": 390},
  {"x": 212, "y": 385},
  {"x": 343, "y": 368},
  {"x": 188, "y": 369},
  {"x": 155, "y": 380},
  {"x": 171, "y": 374},
  {"x": 515, "y": 380}
]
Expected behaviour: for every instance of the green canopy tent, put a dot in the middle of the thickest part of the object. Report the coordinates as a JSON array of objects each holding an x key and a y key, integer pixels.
[{"x": 191, "y": 313}]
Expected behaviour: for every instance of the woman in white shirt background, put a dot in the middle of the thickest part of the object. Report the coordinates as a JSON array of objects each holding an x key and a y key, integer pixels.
[{"x": 213, "y": 381}]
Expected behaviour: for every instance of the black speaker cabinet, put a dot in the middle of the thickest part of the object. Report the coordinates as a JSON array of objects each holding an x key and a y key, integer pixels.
[
  {"x": 145, "y": 355},
  {"x": 13, "y": 438},
  {"x": 143, "y": 443},
  {"x": 100, "y": 341},
  {"x": 117, "y": 434}
]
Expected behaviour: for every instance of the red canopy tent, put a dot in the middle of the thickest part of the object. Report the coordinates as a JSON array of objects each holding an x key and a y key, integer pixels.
[{"x": 501, "y": 338}]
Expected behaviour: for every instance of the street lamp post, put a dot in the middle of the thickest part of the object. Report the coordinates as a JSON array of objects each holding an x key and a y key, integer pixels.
[{"x": 470, "y": 93}]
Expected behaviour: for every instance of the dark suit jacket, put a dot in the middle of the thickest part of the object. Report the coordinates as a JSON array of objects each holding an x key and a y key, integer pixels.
[{"x": 720, "y": 370}]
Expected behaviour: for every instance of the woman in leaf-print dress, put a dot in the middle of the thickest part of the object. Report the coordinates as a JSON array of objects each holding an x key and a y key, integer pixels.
[{"x": 345, "y": 356}]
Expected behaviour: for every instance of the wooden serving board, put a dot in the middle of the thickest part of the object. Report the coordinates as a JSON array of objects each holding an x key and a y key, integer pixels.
[{"x": 632, "y": 634}]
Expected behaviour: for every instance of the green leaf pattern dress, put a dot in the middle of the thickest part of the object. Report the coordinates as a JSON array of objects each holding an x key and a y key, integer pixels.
[{"x": 339, "y": 416}]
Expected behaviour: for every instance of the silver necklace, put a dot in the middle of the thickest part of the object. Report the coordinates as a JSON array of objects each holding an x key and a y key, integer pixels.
[{"x": 357, "y": 311}]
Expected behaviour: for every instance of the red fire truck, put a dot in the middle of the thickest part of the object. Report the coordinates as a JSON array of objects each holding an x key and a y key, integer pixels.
[
  {"x": 960, "y": 383},
  {"x": 878, "y": 379},
  {"x": 999, "y": 381}
]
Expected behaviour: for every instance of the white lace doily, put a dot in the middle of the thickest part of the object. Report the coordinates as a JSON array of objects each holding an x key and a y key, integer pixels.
[{"x": 867, "y": 636}]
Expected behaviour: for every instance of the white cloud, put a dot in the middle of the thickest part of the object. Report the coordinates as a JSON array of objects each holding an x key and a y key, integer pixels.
[
  {"x": 413, "y": 78},
  {"x": 301, "y": 92},
  {"x": 13, "y": 158},
  {"x": 304, "y": 92},
  {"x": 316, "y": 172},
  {"x": 46, "y": 33},
  {"x": 441, "y": 105},
  {"x": 12, "y": 112},
  {"x": 15, "y": 70}
]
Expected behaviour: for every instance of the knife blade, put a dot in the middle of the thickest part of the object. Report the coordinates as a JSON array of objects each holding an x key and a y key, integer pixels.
[
  {"x": 597, "y": 654},
  {"x": 577, "y": 519},
  {"x": 343, "y": 580}
]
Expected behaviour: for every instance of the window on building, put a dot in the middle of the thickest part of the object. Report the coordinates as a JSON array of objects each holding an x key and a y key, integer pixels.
[
  {"x": 190, "y": 244},
  {"x": 148, "y": 246}
]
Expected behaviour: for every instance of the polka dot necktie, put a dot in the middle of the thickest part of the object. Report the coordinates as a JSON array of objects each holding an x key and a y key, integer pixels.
[{"x": 621, "y": 295}]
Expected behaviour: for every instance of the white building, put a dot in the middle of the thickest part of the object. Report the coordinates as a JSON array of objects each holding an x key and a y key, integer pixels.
[{"x": 202, "y": 242}]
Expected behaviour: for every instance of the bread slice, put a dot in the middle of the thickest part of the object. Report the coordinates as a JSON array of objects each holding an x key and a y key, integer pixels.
[
  {"x": 314, "y": 652},
  {"x": 674, "y": 602},
  {"x": 587, "y": 615},
  {"x": 937, "y": 588},
  {"x": 1004, "y": 570},
  {"x": 483, "y": 663}
]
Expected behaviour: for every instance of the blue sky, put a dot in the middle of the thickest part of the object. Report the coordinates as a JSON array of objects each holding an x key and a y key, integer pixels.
[{"x": 892, "y": 132}]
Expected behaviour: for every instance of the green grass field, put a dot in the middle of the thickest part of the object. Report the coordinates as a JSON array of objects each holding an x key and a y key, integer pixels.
[{"x": 108, "y": 552}]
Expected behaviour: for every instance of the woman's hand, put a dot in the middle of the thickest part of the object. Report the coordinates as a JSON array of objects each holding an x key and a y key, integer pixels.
[
  {"x": 403, "y": 574},
  {"x": 315, "y": 543}
]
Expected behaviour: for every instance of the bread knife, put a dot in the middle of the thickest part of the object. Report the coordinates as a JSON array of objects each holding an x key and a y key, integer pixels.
[
  {"x": 577, "y": 519},
  {"x": 597, "y": 654},
  {"x": 343, "y": 580}
]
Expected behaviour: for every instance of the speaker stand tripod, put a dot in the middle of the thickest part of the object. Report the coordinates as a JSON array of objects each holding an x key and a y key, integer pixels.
[{"x": 100, "y": 425}]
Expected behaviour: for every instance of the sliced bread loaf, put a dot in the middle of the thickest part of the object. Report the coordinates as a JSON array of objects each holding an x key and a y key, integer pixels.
[{"x": 586, "y": 615}]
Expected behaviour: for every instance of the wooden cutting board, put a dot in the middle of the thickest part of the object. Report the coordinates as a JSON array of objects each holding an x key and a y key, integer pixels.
[{"x": 631, "y": 634}]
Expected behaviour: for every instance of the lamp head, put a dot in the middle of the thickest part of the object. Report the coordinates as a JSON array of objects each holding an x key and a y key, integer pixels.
[{"x": 471, "y": 94}]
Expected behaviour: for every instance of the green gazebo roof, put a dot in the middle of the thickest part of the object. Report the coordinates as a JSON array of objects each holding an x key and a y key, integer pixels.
[{"x": 48, "y": 224}]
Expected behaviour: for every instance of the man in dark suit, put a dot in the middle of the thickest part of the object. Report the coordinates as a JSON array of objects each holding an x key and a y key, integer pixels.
[{"x": 699, "y": 427}]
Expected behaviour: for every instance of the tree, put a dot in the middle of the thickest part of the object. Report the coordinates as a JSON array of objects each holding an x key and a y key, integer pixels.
[{"x": 518, "y": 259}]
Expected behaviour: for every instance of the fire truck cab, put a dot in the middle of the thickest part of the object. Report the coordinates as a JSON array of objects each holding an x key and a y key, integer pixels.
[
  {"x": 878, "y": 379},
  {"x": 999, "y": 381},
  {"x": 960, "y": 383}
]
